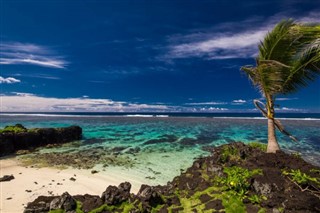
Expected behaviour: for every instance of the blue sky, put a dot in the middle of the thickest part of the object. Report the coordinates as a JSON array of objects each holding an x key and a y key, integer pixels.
[{"x": 140, "y": 55}]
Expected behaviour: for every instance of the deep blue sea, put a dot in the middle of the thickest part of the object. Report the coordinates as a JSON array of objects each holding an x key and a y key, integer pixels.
[{"x": 158, "y": 146}]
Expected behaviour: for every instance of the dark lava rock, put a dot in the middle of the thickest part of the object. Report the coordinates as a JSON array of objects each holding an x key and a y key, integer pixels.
[
  {"x": 89, "y": 202},
  {"x": 72, "y": 179},
  {"x": 261, "y": 188},
  {"x": 41, "y": 204},
  {"x": 6, "y": 178},
  {"x": 94, "y": 171},
  {"x": 11, "y": 141},
  {"x": 205, "y": 198},
  {"x": 214, "y": 204},
  {"x": 116, "y": 195},
  {"x": 65, "y": 202},
  {"x": 149, "y": 195}
]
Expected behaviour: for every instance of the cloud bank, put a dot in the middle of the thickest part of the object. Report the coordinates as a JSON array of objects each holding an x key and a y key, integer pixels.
[{"x": 27, "y": 102}]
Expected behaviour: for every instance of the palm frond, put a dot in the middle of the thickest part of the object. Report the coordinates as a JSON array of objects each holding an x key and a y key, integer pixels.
[
  {"x": 279, "y": 43},
  {"x": 272, "y": 76},
  {"x": 253, "y": 75},
  {"x": 289, "y": 57},
  {"x": 305, "y": 69}
]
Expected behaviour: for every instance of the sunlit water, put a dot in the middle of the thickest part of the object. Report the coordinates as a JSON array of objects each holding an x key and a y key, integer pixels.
[{"x": 160, "y": 147}]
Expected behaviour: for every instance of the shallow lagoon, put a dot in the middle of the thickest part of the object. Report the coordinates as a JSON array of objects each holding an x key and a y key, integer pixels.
[{"x": 155, "y": 149}]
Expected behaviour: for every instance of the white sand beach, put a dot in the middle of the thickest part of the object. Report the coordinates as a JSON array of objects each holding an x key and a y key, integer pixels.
[{"x": 29, "y": 183}]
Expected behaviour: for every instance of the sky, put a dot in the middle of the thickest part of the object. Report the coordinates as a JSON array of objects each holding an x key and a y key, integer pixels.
[{"x": 140, "y": 55}]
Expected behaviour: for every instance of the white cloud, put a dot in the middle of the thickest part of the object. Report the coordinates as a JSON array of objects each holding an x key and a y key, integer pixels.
[
  {"x": 216, "y": 109},
  {"x": 23, "y": 47},
  {"x": 206, "y": 103},
  {"x": 223, "y": 42},
  {"x": 286, "y": 99},
  {"x": 24, "y": 94},
  {"x": 25, "y": 53},
  {"x": 37, "y": 75},
  {"x": 221, "y": 46},
  {"x": 239, "y": 101},
  {"x": 287, "y": 109},
  {"x": 8, "y": 80}
]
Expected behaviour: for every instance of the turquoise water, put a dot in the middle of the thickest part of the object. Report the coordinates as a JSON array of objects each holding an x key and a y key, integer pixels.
[{"x": 156, "y": 149}]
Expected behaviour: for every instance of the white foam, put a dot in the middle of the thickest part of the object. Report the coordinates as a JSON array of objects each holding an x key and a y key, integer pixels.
[
  {"x": 139, "y": 115},
  {"x": 162, "y": 116}
]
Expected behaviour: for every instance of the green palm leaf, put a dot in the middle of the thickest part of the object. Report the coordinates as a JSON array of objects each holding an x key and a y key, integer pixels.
[
  {"x": 289, "y": 58},
  {"x": 306, "y": 68}
]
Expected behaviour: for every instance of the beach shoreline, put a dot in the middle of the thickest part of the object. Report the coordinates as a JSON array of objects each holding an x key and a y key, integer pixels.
[{"x": 29, "y": 183}]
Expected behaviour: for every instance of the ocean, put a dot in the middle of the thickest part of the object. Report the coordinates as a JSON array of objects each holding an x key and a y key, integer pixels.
[{"x": 155, "y": 147}]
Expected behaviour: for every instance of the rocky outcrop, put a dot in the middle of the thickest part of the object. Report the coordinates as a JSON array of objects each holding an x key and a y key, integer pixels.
[
  {"x": 65, "y": 202},
  {"x": 235, "y": 178},
  {"x": 45, "y": 204},
  {"x": 19, "y": 138},
  {"x": 116, "y": 195}
]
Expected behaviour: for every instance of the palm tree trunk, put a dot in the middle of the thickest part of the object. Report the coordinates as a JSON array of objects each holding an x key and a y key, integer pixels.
[{"x": 273, "y": 145}]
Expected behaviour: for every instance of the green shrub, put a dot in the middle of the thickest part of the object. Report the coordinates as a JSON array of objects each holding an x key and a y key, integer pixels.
[
  {"x": 258, "y": 145},
  {"x": 14, "y": 129},
  {"x": 237, "y": 179},
  {"x": 301, "y": 178},
  {"x": 233, "y": 204},
  {"x": 256, "y": 199},
  {"x": 229, "y": 153}
]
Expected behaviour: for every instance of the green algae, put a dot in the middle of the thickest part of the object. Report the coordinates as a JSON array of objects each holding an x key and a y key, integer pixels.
[
  {"x": 84, "y": 159},
  {"x": 124, "y": 207}
]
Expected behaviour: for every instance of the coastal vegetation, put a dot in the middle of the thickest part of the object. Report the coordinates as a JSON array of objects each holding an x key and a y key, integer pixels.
[
  {"x": 289, "y": 58},
  {"x": 13, "y": 129}
]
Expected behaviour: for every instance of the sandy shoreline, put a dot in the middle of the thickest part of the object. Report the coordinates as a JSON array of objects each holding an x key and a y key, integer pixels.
[{"x": 29, "y": 183}]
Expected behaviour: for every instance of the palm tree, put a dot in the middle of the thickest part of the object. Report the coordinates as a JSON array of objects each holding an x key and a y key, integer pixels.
[{"x": 289, "y": 58}]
